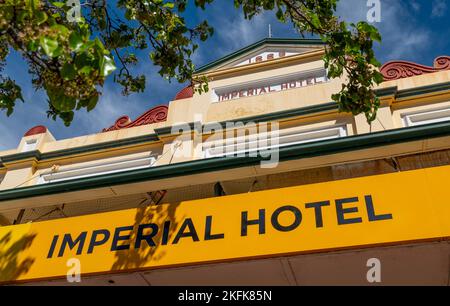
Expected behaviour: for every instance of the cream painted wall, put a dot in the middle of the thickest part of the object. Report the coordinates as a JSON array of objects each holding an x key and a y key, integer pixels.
[
  {"x": 18, "y": 177},
  {"x": 102, "y": 137},
  {"x": 419, "y": 80},
  {"x": 201, "y": 108},
  {"x": 384, "y": 121}
]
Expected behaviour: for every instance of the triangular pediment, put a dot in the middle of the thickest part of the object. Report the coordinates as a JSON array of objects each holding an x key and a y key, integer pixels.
[{"x": 264, "y": 50}]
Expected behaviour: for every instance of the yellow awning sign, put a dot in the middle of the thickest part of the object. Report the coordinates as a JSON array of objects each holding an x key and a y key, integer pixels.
[{"x": 382, "y": 209}]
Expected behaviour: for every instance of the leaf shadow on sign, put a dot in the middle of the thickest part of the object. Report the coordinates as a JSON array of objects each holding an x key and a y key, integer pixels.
[
  {"x": 12, "y": 266},
  {"x": 138, "y": 258}
]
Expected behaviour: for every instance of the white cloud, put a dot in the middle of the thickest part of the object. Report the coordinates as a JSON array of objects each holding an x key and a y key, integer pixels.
[
  {"x": 439, "y": 8},
  {"x": 415, "y": 5},
  {"x": 238, "y": 32},
  {"x": 403, "y": 36},
  {"x": 8, "y": 137}
]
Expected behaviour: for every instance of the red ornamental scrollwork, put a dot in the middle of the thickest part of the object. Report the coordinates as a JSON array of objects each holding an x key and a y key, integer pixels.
[
  {"x": 187, "y": 92},
  {"x": 396, "y": 70},
  {"x": 40, "y": 129},
  {"x": 154, "y": 115}
]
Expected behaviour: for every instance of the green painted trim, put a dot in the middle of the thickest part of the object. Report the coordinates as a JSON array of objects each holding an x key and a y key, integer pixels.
[
  {"x": 294, "y": 152},
  {"x": 78, "y": 150},
  {"x": 20, "y": 156},
  {"x": 167, "y": 130},
  {"x": 265, "y": 41},
  {"x": 417, "y": 91},
  {"x": 386, "y": 92}
]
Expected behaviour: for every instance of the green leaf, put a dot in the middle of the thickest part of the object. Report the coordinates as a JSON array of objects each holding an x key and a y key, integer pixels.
[
  {"x": 32, "y": 45},
  {"x": 169, "y": 5},
  {"x": 84, "y": 59},
  {"x": 8, "y": 12},
  {"x": 61, "y": 29},
  {"x": 378, "y": 78},
  {"x": 75, "y": 41},
  {"x": 315, "y": 20},
  {"x": 68, "y": 72},
  {"x": 58, "y": 4},
  {"x": 32, "y": 5},
  {"x": 100, "y": 47},
  {"x": 107, "y": 65},
  {"x": 22, "y": 15},
  {"x": 92, "y": 102},
  {"x": 50, "y": 46},
  {"x": 41, "y": 17},
  {"x": 67, "y": 117},
  {"x": 85, "y": 70},
  {"x": 280, "y": 15},
  {"x": 63, "y": 103},
  {"x": 375, "y": 62}
]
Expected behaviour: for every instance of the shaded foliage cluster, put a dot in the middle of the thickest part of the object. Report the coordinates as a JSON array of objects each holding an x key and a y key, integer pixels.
[{"x": 70, "y": 56}]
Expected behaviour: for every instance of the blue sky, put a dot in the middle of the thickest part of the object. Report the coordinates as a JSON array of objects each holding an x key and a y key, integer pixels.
[{"x": 414, "y": 30}]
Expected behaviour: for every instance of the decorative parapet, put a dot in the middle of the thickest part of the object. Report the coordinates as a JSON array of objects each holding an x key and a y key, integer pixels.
[
  {"x": 396, "y": 70},
  {"x": 187, "y": 92},
  {"x": 40, "y": 129},
  {"x": 154, "y": 115}
]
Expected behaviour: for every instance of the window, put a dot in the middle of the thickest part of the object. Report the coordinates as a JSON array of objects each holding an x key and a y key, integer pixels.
[
  {"x": 253, "y": 143},
  {"x": 96, "y": 169},
  {"x": 29, "y": 145},
  {"x": 426, "y": 117}
]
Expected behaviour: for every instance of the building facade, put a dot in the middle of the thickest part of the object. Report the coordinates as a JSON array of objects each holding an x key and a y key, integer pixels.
[{"x": 259, "y": 181}]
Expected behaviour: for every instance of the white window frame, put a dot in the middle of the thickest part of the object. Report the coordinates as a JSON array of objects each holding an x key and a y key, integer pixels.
[
  {"x": 426, "y": 117},
  {"x": 30, "y": 145},
  {"x": 248, "y": 144},
  {"x": 97, "y": 169}
]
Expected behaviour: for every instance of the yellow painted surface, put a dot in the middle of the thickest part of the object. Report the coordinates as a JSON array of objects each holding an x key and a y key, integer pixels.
[{"x": 418, "y": 201}]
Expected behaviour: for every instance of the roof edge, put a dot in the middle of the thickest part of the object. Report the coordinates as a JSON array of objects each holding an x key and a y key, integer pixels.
[{"x": 281, "y": 41}]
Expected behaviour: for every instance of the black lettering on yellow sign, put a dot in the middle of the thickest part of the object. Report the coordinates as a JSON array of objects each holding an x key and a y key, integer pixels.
[{"x": 146, "y": 234}]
